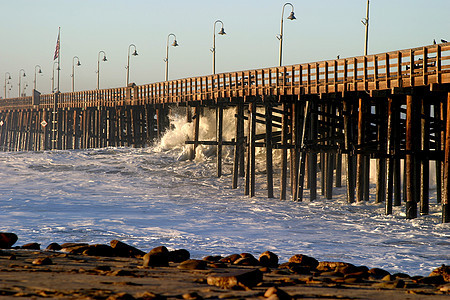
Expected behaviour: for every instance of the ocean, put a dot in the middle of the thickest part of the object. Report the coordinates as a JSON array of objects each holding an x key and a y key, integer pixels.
[{"x": 155, "y": 196}]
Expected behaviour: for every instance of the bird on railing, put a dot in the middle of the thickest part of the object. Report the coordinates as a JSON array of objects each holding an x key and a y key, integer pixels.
[
  {"x": 444, "y": 41},
  {"x": 434, "y": 41}
]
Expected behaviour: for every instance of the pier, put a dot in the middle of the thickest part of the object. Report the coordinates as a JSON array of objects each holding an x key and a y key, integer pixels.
[{"x": 325, "y": 117}]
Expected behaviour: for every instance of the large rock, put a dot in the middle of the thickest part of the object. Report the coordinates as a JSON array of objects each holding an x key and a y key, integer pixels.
[
  {"x": 54, "y": 247},
  {"x": 268, "y": 259},
  {"x": 296, "y": 268},
  {"x": 124, "y": 250},
  {"x": 246, "y": 259},
  {"x": 304, "y": 260},
  {"x": 193, "y": 264},
  {"x": 245, "y": 279},
  {"x": 99, "y": 250},
  {"x": 157, "y": 257},
  {"x": 7, "y": 239},
  {"x": 179, "y": 255},
  {"x": 32, "y": 246},
  {"x": 442, "y": 270},
  {"x": 325, "y": 266},
  {"x": 230, "y": 258},
  {"x": 378, "y": 273}
]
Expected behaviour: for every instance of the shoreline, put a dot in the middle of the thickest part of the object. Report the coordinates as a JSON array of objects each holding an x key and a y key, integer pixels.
[{"x": 120, "y": 271}]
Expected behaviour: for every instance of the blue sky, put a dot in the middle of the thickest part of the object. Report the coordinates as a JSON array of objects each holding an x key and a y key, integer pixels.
[{"x": 323, "y": 29}]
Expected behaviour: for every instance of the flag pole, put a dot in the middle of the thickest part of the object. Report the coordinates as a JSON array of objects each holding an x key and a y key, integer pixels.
[{"x": 59, "y": 55}]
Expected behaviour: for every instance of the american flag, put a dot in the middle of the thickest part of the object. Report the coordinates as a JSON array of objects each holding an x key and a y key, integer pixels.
[{"x": 57, "y": 49}]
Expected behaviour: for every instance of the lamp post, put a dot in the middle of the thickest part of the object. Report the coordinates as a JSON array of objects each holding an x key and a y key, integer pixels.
[
  {"x": 53, "y": 75},
  {"x": 98, "y": 66},
  {"x": 280, "y": 37},
  {"x": 36, "y": 71},
  {"x": 20, "y": 80},
  {"x": 213, "y": 50},
  {"x": 128, "y": 61},
  {"x": 174, "y": 44},
  {"x": 365, "y": 22},
  {"x": 7, "y": 79},
  {"x": 73, "y": 71}
]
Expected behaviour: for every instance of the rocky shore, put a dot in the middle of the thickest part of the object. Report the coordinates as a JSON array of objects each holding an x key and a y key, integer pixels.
[{"x": 120, "y": 271}]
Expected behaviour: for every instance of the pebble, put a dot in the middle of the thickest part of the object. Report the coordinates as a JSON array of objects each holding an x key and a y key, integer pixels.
[{"x": 245, "y": 279}]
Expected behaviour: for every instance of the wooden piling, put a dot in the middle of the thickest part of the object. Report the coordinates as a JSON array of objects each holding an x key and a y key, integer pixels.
[
  {"x": 425, "y": 162},
  {"x": 446, "y": 191},
  {"x": 347, "y": 111},
  {"x": 284, "y": 139},
  {"x": 219, "y": 138},
  {"x": 360, "y": 159},
  {"x": 268, "y": 140},
  {"x": 411, "y": 202}
]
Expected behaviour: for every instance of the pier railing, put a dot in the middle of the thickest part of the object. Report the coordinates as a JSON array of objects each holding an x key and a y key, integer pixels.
[{"x": 397, "y": 69}]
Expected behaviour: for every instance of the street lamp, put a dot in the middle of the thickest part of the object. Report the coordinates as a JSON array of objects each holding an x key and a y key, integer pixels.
[
  {"x": 98, "y": 66},
  {"x": 280, "y": 37},
  {"x": 73, "y": 71},
  {"x": 20, "y": 80},
  {"x": 36, "y": 71},
  {"x": 213, "y": 50},
  {"x": 53, "y": 75},
  {"x": 128, "y": 61},
  {"x": 7, "y": 79},
  {"x": 174, "y": 44},
  {"x": 365, "y": 22}
]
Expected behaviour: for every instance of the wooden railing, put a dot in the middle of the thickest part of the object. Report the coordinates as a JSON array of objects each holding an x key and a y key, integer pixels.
[{"x": 405, "y": 68}]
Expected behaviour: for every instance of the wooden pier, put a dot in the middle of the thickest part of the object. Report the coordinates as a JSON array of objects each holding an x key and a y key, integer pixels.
[{"x": 325, "y": 117}]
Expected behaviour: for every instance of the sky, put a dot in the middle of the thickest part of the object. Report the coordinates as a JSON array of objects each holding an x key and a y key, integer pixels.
[{"x": 323, "y": 29}]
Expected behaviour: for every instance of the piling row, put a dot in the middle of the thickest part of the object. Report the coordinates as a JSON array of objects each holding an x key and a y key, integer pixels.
[{"x": 330, "y": 120}]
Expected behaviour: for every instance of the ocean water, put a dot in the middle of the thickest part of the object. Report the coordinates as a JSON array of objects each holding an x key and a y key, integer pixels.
[{"x": 155, "y": 196}]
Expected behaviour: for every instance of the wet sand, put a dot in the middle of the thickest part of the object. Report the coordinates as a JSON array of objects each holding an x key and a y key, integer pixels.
[{"x": 72, "y": 276}]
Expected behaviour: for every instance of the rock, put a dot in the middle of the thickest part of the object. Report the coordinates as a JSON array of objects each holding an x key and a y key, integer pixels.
[
  {"x": 445, "y": 288},
  {"x": 268, "y": 259},
  {"x": 54, "y": 247},
  {"x": 388, "y": 277},
  {"x": 122, "y": 273},
  {"x": 398, "y": 284},
  {"x": 245, "y": 279},
  {"x": 347, "y": 269},
  {"x": 246, "y": 261},
  {"x": 193, "y": 264},
  {"x": 378, "y": 273},
  {"x": 442, "y": 270},
  {"x": 332, "y": 265},
  {"x": 230, "y": 258},
  {"x": 7, "y": 239},
  {"x": 212, "y": 258},
  {"x": 32, "y": 246},
  {"x": 121, "y": 296},
  {"x": 401, "y": 275},
  {"x": 304, "y": 260},
  {"x": 435, "y": 280},
  {"x": 42, "y": 261},
  {"x": 73, "y": 245},
  {"x": 296, "y": 268},
  {"x": 124, "y": 250},
  {"x": 217, "y": 265},
  {"x": 276, "y": 293},
  {"x": 179, "y": 255},
  {"x": 192, "y": 296},
  {"x": 98, "y": 250},
  {"x": 157, "y": 257},
  {"x": 151, "y": 296}
]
